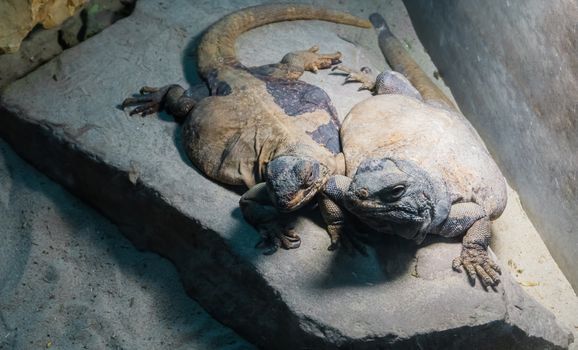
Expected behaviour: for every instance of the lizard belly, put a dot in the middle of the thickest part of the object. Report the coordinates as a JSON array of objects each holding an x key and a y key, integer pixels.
[{"x": 440, "y": 141}]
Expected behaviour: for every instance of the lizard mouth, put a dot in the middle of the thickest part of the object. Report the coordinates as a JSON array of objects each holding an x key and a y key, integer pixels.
[
  {"x": 407, "y": 223},
  {"x": 300, "y": 197},
  {"x": 375, "y": 211},
  {"x": 297, "y": 202}
]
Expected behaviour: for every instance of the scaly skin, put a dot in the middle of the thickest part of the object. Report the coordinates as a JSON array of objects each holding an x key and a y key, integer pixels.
[
  {"x": 415, "y": 166},
  {"x": 260, "y": 123}
]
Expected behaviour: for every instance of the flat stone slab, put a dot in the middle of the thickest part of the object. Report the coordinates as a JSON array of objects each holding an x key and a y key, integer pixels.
[{"x": 64, "y": 119}]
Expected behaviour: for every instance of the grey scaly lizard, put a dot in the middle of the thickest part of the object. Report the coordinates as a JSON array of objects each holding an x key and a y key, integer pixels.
[{"x": 415, "y": 166}]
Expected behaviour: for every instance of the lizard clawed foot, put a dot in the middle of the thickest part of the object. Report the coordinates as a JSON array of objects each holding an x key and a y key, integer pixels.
[
  {"x": 363, "y": 76},
  {"x": 347, "y": 238},
  {"x": 275, "y": 235},
  {"x": 474, "y": 258},
  {"x": 311, "y": 60},
  {"x": 150, "y": 100}
]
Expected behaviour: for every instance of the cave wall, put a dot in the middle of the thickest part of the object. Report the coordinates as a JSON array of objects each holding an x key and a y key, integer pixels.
[{"x": 513, "y": 69}]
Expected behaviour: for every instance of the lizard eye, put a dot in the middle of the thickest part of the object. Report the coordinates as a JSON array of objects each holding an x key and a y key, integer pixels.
[
  {"x": 397, "y": 191},
  {"x": 362, "y": 193}
]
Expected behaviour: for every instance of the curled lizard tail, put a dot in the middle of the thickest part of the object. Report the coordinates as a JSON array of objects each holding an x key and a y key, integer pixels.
[
  {"x": 401, "y": 62},
  {"x": 217, "y": 47}
]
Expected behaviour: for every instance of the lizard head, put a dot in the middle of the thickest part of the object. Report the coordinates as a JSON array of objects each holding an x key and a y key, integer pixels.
[
  {"x": 396, "y": 197},
  {"x": 292, "y": 181}
]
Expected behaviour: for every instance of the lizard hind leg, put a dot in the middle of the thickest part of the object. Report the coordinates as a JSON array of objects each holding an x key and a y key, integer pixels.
[
  {"x": 277, "y": 234},
  {"x": 276, "y": 229},
  {"x": 152, "y": 100},
  {"x": 362, "y": 76},
  {"x": 311, "y": 60}
]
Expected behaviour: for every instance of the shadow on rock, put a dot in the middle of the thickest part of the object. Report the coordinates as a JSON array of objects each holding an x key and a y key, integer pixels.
[
  {"x": 245, "y": 237},
  {"x": 386, "y": 260},
  {"x": 190, "y": 60}
]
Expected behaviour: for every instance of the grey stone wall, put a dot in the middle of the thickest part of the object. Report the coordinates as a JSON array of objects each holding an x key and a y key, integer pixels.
[{"x": 512, "y": 66}]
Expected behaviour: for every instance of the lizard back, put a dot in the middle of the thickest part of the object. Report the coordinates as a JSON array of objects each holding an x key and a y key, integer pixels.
[{"x": 440, "y": 141}]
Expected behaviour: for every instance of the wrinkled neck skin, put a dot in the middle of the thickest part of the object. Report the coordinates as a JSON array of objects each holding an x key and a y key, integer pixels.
[
  {"x": 438, "y": 211},
  {"x": 421, "y": 209}
]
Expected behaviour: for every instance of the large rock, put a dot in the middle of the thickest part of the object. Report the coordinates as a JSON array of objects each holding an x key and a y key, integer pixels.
[{"x": 64, "y": 119}]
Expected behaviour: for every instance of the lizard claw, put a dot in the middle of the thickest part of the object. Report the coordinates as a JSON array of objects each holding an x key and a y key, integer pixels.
[
  {"x": 150, "y": 100},
  {"x": 475, "y": 260},
  {"x": 347, "y": 238},
  {"x": 148, "y": 89},
  {"x": 275, "y": 235},
  {"x": 363, "y": 76}
]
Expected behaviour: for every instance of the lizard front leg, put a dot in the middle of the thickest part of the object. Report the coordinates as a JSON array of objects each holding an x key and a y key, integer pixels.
[
  {"x": 363, "y": 76},
  {"x": 173, "y": 98},
  {"x": 295, "y": 63},
  {"x": 387, "y": 82},
  {"x": 474, "y": 257},
  {"x": 276, "y": 229},
  {"x": 311, "y": 60},
  {"x": 341, "y": 233}
]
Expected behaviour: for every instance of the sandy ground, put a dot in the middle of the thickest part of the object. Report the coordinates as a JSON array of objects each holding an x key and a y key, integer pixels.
[{"x": 70, "y": 280}]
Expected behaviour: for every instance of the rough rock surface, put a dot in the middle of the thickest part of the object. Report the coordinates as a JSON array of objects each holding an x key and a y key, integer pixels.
[
  {"x": 43, "y": 44},
  {"x": 63, "y": 118},
  {"x": 18, "y": 17},
  {"x": 71, "y": 281},
  {"x": 513, "y": 68}
]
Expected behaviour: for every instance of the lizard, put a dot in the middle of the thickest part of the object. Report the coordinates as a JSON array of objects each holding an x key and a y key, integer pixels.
[
  {"x": 415, "y": 166},
  {"x": 261, "y": 127}
]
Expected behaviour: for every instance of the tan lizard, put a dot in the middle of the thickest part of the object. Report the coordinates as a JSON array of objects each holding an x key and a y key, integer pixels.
[{"x": 261, "y": 127}]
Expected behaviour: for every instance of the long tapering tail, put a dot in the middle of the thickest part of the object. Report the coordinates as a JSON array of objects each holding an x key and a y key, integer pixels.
[
  {"x": 400, "y": 61},
  {"x": 217, "y": 47}
]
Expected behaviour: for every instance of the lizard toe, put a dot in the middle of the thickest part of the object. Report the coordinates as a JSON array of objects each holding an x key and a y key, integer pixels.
[
  {"x": 492, "y": 265},
  {"x": 471, "y": 271},
  {"x": 485, "y": 278},
  {"x": 491, "y": 271},
  {"x": 290, "y": 242},
  {"x": 457, "y": 264},
  {"x": 145, "y": 109},
  {"x": 148, "y": 89},
  {"x": 275, "y": 236},
  {"x": 333, "y": 246}
]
